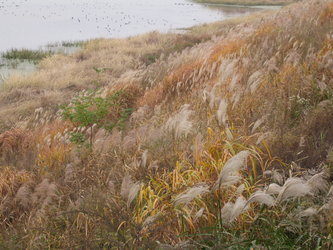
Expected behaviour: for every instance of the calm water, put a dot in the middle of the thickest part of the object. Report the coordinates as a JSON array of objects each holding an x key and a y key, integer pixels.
[
  {"x": 32, "y": 23},
  {"x": 35, "y": 23}
]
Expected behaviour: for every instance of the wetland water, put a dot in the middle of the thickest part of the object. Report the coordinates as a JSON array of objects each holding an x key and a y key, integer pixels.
[{"x": 32, "y": 24}]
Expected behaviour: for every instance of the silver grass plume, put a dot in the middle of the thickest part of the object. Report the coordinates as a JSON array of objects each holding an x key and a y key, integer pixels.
[
  {"x": 257, "y": 124},
  {"x": 261, "y": 197},
  {"x": 231, "y": 211},
  {"x": 144, "y": 158},
  {"x": 23, "y": 196},
  {"x": 293, "y": 187},
  {"x": 199, "y": 214},
  {"x": 273, "y": 189},
  {"x": 151, "y": 219},
  {"x": 278, "y": 177},
  {"x": 190, "y": 194},
  {"x": 240, "y": 189},
  {"x": 318, "y": 182},
  {"x": 129, "y": 189},
  {"x": 229, "y": 174},
  {"x": 180, "y": 123},
  {"x": 275, "y": 176},
  {"x": 308, "y": 212},
  {"x": 229, "y": 134},
  {"x": 262, "y": 137},
  {"x": 43, "y": 195},
  {"x": 254, "y": 81},
  {"x": 221, "y": 113}
]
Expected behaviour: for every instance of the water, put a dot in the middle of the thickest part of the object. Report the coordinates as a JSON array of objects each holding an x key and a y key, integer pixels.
[{"x": 34, "y": 23}]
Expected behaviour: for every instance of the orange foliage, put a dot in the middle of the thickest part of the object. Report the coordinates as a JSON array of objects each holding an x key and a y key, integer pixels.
[
  {"x": 327, "y": 14},
  {"x": 14, "y": 141},
  {"x": 156, "y": 95},
  {"x": 11, "y": 180},
  {"x": 52, "y": 152},
  {"x": 265, "y": 30},
  {"x": 222, "y": 50}
]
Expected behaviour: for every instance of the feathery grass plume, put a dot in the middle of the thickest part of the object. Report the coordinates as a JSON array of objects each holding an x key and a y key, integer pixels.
[
  {"x": 198, "y": 146},
  {"x": 254, "y": 81},
  {"x": 240, "y": 189},
  {"x": 257, "y": 124},
  {"x": 144, "y": 158},
  {"x": 261, "y": 197},
  {"x": 308, "y": 212},
  {"x": 231, "y": 211},
  {"x": 229, "y": 174},
  {"x": 151, "y": 219},
  {"x": 212, "y": 99},
  {"x": 180, "y": 123},
  {"x": 44, "y": 190},
  {"x": 190, "y": 194},
  {"x": 69, "y": 173},
  {"x": 234, "y": 81},
  {"x": 23, "y": 196},
  {"x": 262, "y": 137},
  {"x": 199, "y": 214},
  {"x": 221, "y": 113},
  {"x": 229, "y": 134},
  {"x": 293, "y": 187},
  {"x": 129, "y": 189},
  {"x": 133, "y": 192},
  {"x": 43, "y": 196},
  {"x": 276, "y": 176},
  {"x": 111, "y": 187},
  {"x": 140, "y": 114},
  {"x": 227, "y": 69},
  {"x": 273, "y": 189},
  {"x": 318, "y": 183}
]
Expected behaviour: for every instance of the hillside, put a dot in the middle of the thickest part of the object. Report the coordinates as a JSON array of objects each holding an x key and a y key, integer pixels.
[{"x": 217, "y": 138}]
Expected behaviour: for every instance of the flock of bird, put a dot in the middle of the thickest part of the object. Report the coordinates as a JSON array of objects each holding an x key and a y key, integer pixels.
[
  {"x": 32, "y": 23},
  {"x": 103, "y": 15}
]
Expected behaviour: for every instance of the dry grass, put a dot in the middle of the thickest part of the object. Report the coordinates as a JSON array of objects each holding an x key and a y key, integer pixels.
[{"x": 229, "y": 144}]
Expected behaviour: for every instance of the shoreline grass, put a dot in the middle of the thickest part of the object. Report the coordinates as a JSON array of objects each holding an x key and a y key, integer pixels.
[{"x": 26, "y": 54}]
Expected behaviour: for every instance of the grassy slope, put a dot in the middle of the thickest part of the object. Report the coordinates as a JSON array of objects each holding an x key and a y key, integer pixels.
[{"x": 261, "y": 84}]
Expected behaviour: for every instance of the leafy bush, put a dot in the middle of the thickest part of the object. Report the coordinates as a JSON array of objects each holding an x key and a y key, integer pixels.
[{"x": 88, "y": 110}]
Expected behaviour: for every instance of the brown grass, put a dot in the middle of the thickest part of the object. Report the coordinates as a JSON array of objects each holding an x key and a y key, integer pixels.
[{"x": 270, "y": 76}]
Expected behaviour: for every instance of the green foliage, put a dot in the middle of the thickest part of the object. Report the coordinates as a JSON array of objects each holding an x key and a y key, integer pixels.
[
  {"x": 150, "y": 58},
  {"x": 298, "y": 106},
  {"x": 88, "y": 109},
  {"x": 25, "y": 54},
  {"x": 77, "y": 138},
  {"x": 73, "y": 43}
]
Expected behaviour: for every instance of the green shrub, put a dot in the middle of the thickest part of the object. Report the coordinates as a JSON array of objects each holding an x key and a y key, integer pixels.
[{"x": 88, "y": 109}]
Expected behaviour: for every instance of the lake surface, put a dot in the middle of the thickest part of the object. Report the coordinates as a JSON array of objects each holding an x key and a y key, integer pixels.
[{"x": 33, "y": 24}]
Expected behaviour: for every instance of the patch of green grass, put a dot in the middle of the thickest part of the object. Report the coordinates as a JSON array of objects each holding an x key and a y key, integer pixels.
[
  {"x": 26, "y": 54},
  {"x": 72, "y": 43}
]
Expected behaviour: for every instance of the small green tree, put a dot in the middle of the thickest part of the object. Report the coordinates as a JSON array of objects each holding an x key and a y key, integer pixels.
[{"x": 87, "y": 110}]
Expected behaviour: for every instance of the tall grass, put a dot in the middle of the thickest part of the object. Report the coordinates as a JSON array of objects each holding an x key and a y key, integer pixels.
[{"x": 229, "y": 144}]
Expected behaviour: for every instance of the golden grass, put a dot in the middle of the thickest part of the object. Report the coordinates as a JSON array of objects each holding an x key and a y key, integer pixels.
[{"x": 268, "y": 77}]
